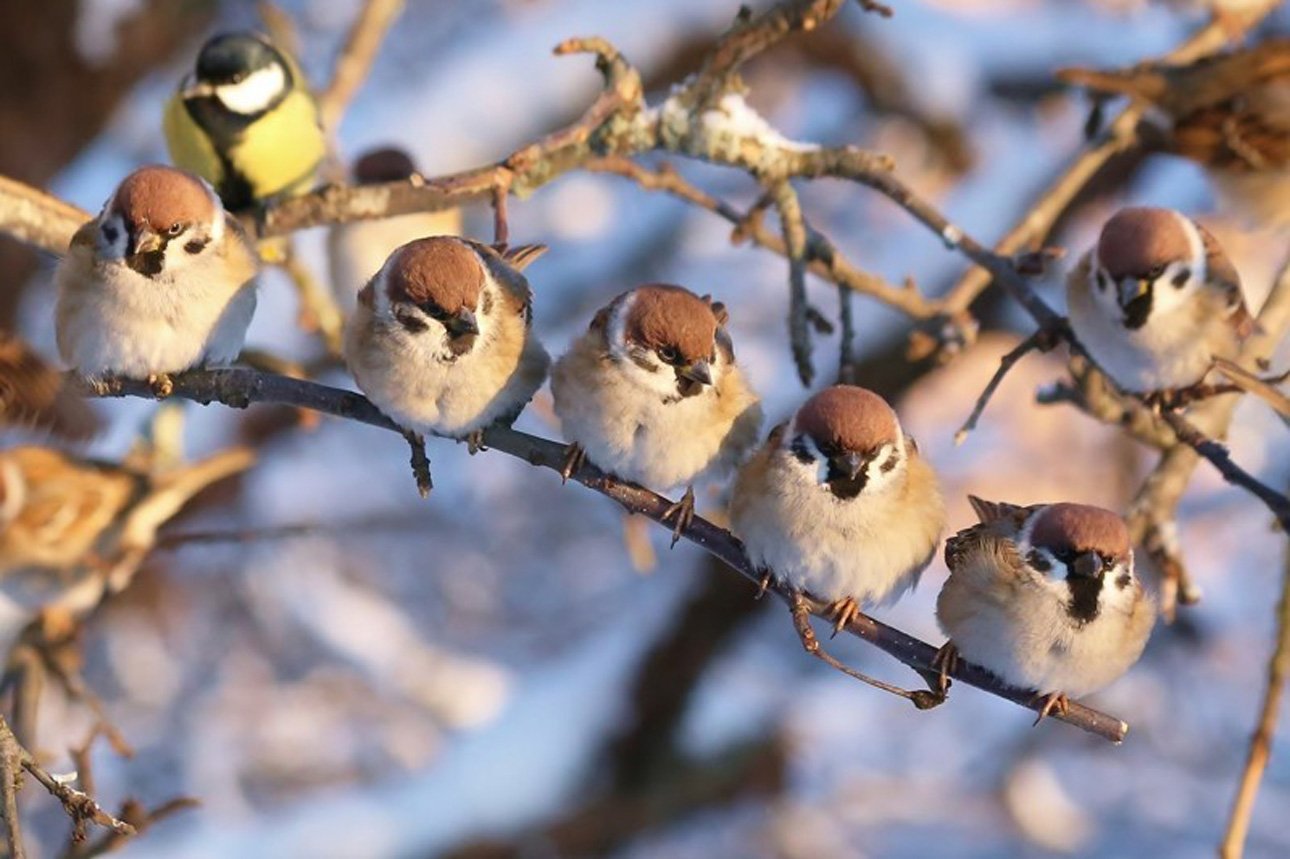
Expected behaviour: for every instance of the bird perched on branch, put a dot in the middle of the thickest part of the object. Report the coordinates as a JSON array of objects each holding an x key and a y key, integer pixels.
[
  {"x": 1045, "y": 597},
  {"x": 357, "y": 250},
  {"x": 1230, "y": 113},
  {"x": 1156, "y": 301},
  {"x": 839, "y": 503},
  {"x": 161, "y": 281},
  {"x": 59, "y": 512},
  {"x": 440, "y": 339},
  {"x": 246, "y": 121},
  {"x": 652, "y": 394}
]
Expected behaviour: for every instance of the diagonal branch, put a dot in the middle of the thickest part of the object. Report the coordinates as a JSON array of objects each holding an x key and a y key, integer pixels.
[
  {"x": 241, "y": 388},
  {"x": 356, "y": 58}
]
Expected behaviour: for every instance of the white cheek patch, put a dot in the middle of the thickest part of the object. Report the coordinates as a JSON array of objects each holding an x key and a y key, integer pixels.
[{"x": 253, "y": 93}]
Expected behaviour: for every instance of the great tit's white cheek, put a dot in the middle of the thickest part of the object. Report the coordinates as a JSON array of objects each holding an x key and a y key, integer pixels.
[{"x": 255, "y": 92}]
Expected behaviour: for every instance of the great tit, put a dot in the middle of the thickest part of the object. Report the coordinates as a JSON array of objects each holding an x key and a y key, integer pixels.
[{"x": 245, "y": 121}]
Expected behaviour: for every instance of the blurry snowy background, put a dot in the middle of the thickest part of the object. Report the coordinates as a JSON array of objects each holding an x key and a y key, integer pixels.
[{"x": 484, "y": 673}]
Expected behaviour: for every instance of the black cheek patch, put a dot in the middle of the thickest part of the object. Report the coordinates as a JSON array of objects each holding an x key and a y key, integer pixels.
[
  {"x": 1101, "y": 281},
  {"x": 111, "y": 234},
  {"x": 1181, "y": 278},
  {"x": 890, "y": 462},
  {"x": 800, "y": 452},
  {"x": 409, "y": 321},
  {"x": 196, "y": 246},
  {"x": 486, "y": 304},
  {"x": 1038, "y": 561},
  {"x": 1122, "y": 581}
]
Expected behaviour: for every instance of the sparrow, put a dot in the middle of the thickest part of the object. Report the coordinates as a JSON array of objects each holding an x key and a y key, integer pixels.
[
  {"x": 440, "y": 338},
  {"x": 33, "y": 394},
  {"x": 1229, "y": 112},
  {"x": 357, "y": 250},
  {"x": 161, "y": 281},
  {"x": 839, "y": 504},
  {"x": 1156, "y": 301},
  {"x": 245, "y": 121},
  {"x": 651, "y": 393},
  {"x": 1045, "y": 598},
  {"x": 59, "y": 512}
]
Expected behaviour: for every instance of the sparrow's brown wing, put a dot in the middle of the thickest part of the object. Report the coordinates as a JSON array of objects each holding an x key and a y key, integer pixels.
[
  {"x": 1000, "y": 523},
  {"x": 1226, "y": 281},
  {"x": 505, "y": 270},
  {"x": 33, "y": 394}
]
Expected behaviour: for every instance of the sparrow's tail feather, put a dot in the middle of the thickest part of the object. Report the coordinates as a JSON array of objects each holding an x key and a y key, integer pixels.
[
  {"x": 1252, "y": 384},
  {"x": 523, "y": 256},
  {"x": 991, "y": 511},
  {"x": 169, "y": 491}
]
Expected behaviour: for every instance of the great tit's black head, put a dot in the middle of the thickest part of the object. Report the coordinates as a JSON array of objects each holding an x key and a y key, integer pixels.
[{"x": 230, "y": 58}]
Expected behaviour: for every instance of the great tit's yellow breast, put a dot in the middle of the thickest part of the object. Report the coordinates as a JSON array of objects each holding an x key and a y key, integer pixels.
[
  {"x": 280, "y": 152},
  {"x": 190, "y": 146}
]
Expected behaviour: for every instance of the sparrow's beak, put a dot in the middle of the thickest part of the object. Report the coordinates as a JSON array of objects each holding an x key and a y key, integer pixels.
[
  {"x": 145, "y": 241},
  {"x": 146, "y": 252},
  {"x": 699, "y": 372},
  {"x": 462, "y": 324},
  {"x": 1131, "y": 289},
  {"x": 1086, "y": 565},
  {"x": 850, "y": 464}
]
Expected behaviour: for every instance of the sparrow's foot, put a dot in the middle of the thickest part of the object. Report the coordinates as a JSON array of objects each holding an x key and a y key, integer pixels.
[
  {"x": 574, "y": 457},
  {"x": 842, "y": 612},
  {"x": 420, "y": 463},
  {"x": 923, "y": 699},
  {"x": 1054, "y": 702},
  {"x": 161, "y": 384},
  {"x": 475, "y": 442},
  {"x": 764, "y": 584},
  {"x": 683, "y": 512},
  {"x": 946, "y": 662}
]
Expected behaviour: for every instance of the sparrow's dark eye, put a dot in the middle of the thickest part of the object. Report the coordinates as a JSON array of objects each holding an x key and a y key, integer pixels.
[
  {"x": 174, "y": 230},
  {"x": 670, "y": 354},
  {"x": 434, "y": 311},
  {"x": 1155, "y": 272}
]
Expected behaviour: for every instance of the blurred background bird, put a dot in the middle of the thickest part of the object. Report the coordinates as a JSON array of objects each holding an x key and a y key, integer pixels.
[
  {"x": 357, "y": 250},
  {"x": 59, "y": 512},
  {"x": 34, "y": 394},
  {"x": 1230, "y": 113},
  {"x": 246, "y": 121}
]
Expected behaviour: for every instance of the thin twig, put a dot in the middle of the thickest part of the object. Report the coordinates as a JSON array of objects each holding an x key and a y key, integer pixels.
[
  {"x": 1256, "y": 760},
  {"x": 794, "y": 229},
  {"x": 1035, "y": 341},
  {"x": 10, "y": 781},
  {"x": 240, "y": 388}
]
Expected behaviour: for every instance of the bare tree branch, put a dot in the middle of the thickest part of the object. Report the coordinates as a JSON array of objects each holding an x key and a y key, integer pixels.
[
  {"x": 356, "y": 58},
  {"x": 241, "y": 388},
  {"x": 1256, "y": 761}
]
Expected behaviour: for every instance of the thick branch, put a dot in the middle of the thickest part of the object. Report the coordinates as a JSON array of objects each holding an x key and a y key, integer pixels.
[{"x": 240, "y": 388}]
